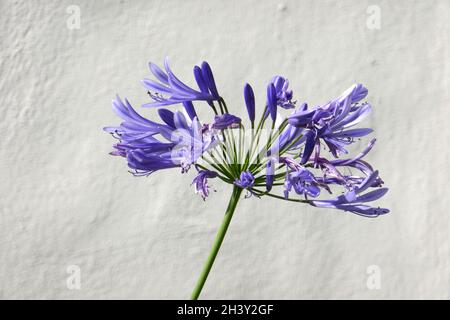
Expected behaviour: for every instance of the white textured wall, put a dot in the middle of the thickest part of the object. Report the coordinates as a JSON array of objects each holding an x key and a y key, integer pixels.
[{"x": 64, "y": 201}]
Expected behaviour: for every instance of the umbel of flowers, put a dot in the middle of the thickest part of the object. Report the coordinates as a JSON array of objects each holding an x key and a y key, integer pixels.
[{"x": 300, "y": 156}]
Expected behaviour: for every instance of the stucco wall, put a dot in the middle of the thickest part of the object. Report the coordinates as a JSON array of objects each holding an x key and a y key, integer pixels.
[{"x": 65, "y": 202}]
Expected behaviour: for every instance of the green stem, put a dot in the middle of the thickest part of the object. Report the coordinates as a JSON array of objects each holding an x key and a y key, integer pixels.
[{"x": 217, "y": 242}]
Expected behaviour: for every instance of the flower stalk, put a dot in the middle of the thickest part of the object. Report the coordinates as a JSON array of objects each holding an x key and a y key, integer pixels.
[{"x": 217, "y": 242}]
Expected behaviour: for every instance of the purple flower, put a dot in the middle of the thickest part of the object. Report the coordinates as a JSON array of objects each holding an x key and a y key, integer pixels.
[
  {"x": 353, "y": 201},
  {"x": 132, "y": 120},
  {"x": 283, "y": 95},
  {"x": 191, "y": 141},
  {"x": 189, "y": 107},
  {"x": 201, "y": 182},
  {"x": 272, "y": 101},
  {"x": 245, "y": 181},
  {"x": 170, "y": 90},
  {"x": 135, "y": 131},
  {"x": 303, "y": 182},
  {"x": 332, "y": 122},
  {"x": 270, "y": 171},
  {"x": 226, "y": 121},
  {"x": 333, "y": 176},
  {"x": 357, "y": 92},
  {"x": 209, "y": 80},
  {"x": 249, "y": 98},
  {"x": 149, "y": 146},
  {"x": 253, "y": 162}
]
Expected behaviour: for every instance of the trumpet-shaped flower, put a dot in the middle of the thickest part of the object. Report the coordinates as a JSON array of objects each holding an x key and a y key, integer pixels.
[
  {"x": 168, "y": 89},
  {"x": 332, "y": 122},
  {"x": 283, "y": 94},
  {"x": 354, "y": 201},
  {"x": 149, "y": 146},
  {"x": 201, "y": 182},
  {"x": 303, "y": 182}
]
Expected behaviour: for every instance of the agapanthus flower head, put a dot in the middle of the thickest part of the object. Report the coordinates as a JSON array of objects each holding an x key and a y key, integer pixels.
[
  {"x": 279, "y": 157},
  {"x": 289, "y": 157}
]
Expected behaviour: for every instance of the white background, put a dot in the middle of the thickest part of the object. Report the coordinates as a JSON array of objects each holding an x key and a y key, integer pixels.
[{"x": 64, "y": 201}]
